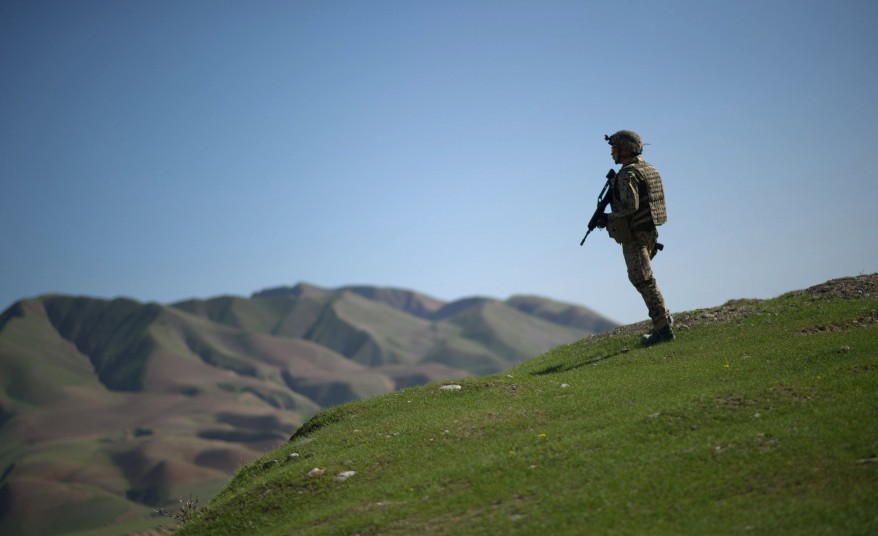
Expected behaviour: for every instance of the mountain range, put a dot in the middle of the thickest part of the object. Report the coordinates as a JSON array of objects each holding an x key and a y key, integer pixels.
[{"x": 110, "y": 409}]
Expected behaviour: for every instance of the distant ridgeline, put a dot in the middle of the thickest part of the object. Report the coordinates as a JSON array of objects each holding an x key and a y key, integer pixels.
[{"x": 130, "y": 406}]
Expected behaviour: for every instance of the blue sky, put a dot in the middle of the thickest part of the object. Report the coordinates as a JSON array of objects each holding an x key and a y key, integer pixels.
[{"x": 165, "y": 150}]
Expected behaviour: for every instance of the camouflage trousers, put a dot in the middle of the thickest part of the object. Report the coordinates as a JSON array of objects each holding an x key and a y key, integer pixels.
[{"x": 637, "y": 254}]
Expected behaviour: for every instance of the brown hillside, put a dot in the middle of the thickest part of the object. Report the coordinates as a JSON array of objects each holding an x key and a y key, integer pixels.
[{"x": 110, "y": 409}]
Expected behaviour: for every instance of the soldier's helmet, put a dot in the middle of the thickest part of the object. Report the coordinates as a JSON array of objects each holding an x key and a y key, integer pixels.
[{"x": 626, "y": 139}]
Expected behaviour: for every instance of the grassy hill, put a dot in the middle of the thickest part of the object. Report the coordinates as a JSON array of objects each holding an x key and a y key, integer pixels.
[
  {"x": 110, "y": 409},
  {"x": 759, "y": 419}
]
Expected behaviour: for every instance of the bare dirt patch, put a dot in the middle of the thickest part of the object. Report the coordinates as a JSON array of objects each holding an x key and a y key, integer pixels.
[
  {"x": 847, "y": 288},
  {"x": 859, "y": 322},
  {"x": 731, "y": 310}
]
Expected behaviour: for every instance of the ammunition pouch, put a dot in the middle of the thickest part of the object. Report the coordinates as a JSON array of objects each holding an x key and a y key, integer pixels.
[{"x": 619, "y": 230}]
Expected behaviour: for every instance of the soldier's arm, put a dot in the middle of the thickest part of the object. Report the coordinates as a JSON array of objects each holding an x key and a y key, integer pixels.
[{"x": 626, "y": 198}]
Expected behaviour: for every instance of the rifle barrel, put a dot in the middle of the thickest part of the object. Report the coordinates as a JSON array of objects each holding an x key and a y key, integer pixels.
[
  {"x": 584, "y": 237},
  {"x": 603, "y": 201}
]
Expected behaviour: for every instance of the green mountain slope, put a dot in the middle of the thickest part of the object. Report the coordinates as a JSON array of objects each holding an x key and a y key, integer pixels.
[
  {"x": 112, "y": 408},
  {"x": 759, "y": 419}
]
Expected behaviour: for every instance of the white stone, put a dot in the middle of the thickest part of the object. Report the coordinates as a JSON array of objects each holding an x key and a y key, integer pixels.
[{"x": 344, "y": 475}]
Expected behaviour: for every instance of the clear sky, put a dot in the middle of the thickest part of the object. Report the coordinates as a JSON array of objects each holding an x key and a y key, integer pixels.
[{"x": 164, "y": 150}]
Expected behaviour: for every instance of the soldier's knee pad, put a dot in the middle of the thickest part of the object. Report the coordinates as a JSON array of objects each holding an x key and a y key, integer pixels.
[{"x": 644, "y": 284}]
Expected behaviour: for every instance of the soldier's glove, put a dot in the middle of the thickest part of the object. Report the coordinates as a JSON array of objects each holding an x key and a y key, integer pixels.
[{"x": 601, "y": 221}]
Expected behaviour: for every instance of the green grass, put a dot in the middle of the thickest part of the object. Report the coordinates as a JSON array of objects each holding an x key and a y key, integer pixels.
[{"x": 763, "y": 424}]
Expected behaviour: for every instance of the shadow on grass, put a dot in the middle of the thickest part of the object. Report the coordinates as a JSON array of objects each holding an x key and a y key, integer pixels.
[{"x": 565, "y": 367}]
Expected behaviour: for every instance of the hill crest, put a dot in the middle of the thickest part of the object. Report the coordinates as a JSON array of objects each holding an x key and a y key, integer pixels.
[{"x": 758, "y": 419}]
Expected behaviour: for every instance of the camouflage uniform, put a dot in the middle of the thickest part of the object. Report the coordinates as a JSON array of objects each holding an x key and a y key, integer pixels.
[{"x": 637, "y": 207}]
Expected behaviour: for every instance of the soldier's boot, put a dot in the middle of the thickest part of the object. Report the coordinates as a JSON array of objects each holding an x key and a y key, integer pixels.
[{"x": 665, "y": 334}]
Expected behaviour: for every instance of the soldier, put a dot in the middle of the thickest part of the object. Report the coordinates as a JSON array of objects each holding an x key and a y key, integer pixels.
[{"x": 638, "y": 206}]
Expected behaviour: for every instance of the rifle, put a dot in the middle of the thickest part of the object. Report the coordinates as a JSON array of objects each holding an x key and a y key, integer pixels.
[{"x": 603, "y": 201}]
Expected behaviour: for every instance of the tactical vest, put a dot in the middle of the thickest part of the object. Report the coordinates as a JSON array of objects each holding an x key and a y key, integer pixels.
[{"x": 652, "y": 200}]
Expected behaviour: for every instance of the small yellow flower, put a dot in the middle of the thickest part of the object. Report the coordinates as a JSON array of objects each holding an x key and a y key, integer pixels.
[
  {"x": 542, "y": 436},
  {"x": 727, "y": 366}
]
